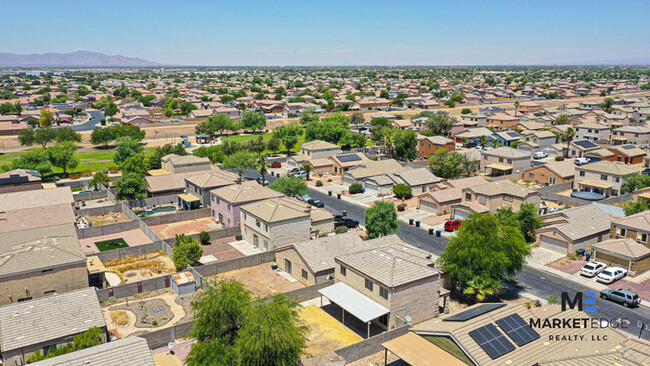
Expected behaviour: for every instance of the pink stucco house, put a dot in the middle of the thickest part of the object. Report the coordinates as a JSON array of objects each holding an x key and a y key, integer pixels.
[{"x": 225, "y": 201}]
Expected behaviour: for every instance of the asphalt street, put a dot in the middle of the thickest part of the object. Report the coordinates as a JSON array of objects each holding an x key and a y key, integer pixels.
[{"x": 97, "y": 116}]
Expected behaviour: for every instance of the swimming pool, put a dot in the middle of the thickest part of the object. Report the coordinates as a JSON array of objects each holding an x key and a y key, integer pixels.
[{"x": 156, "y": 210}]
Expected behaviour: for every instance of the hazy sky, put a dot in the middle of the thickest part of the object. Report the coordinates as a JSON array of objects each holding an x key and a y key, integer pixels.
[{"x": 352, "y": 32}]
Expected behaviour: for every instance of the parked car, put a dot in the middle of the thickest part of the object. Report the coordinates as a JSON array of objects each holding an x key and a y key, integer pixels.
[
  {"x": 292, "y": 171},
  {"x": 591, "y": 269},
  {"x": 539, "y": 155},
  {"x": 646, "y": 171},
  {"x": 611, "y": 274},
  {"x": 261, "y": 181},
  {"x": 452, "y": 225},
  {"x": 581, "y": 161},
  {"x": 304, "y": 197},
  {"x": 345, "y": 221},
  {"x": 626, "y": 297},
  {"x": 316, "y": 203}
]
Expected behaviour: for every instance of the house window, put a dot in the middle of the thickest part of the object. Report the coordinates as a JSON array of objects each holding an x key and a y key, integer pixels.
[
  {"x": 383, "y": 292},
  {"x": 369, "y": 284},
  {"x": 266, "y": 227},
  {"x": 620, "y": 231},
  {"x": 49, "y": 292},
  {"x": 304, "y": 274},
  {"x": 500, "y": 160},
  {"x": 509, "y": 161},
  {"x": 214, "y": 214},
  {"x": 218, "y": 201},
  {"x": 484, "y": 157},
  {"x": 228, "y": 207},
  {"x": 531, "y": 175},
  {"x": 603, "y": 177},
  {"x": 642, "y": 237},
  {"x": 551, "y": 180},
  {"x": 468, "y": 196},
  {"x": 617, "y": 179},
  {"x": 258, "y": 223},
  {"x": 481, "y": 200},
  {"x": 582, "y": 173},
  {"x": 47, "y": 270},
  {"x": 344, "y": 271}
]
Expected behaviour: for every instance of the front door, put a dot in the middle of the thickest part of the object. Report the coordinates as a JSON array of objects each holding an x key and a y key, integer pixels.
[{"x": 287, "y": 266}]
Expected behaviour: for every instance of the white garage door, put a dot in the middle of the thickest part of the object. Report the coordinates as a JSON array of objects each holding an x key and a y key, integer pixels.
[
  {"x": 371, "y": 187},
  {"x": 524, "y": 148},
  {"x": 429, "y": 207},
  {"x": 291, "y": 164},
  {"x": 460, "y": 215},
  {"x": 553, "y": 244}
]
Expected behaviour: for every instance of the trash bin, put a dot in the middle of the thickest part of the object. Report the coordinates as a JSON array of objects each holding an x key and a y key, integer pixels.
[
  {"x": 438, "y": 232},
  {"x": 344, "y": 213},
  {"x": 417, "y": 224},
  {"x": 338, "y": 195},
  {"x": 431, "y": 231},
  {"x": 588, "y": 257},
  {"x": 329, "y": 193},
  {"x": 272, "y": 173},
  {"x": 363, "y": 190},
  {"x": 411, "y": 221},
  {"x": 580, "y": 252}
]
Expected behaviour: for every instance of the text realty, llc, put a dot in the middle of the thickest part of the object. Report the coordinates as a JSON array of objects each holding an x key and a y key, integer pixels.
[{"x": 586, "y": 301}]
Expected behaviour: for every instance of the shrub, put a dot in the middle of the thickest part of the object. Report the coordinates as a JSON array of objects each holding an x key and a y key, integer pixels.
[
  {"x": 87, "y": 173},
  {"x": 113, "y": 169},
  {"x": 329, "y": 180},
  {"x": 154, "y": 323},
  {"x": 204, "y": 237},
  {"x": 355, "y": 188},
  {"x": 119, "y": 317},
  {"x": 319, "y": 183},
  {"x": 276, "y": 164},
  {"x": 401, "y": 207},
  {"x": 402, "y": 191},
  {"x": 74, "y": 176},
  {"x": 341, "y": 229},
  {"x": 559, "y": 158}
]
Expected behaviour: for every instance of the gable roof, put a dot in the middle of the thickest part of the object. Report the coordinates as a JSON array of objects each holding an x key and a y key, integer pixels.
[
  {"x": 639, "y": 221},
  {"x": 248, "y": 191},
  {"x": 626, "y": 247},
  {"x": 371, "y": 168},
  {"x": 506, "y": 152},
  {"x": 608, "y": 167},
  {"x": 132, "y": 351},
  {"x": 278, "y": 209},
  {"x": 580, "y": 222},
  {"x": 319, "y": 254},
  {"x": 564, "y": 168},
  {"x": 212, "y": 178},
  {"x": 318, "y": 145}
]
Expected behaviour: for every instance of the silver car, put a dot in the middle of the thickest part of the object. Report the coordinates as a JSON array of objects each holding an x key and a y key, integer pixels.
[{"x": 625, "y": 297}]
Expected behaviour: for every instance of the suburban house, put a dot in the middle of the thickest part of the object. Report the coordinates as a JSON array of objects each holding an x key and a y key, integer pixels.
[
  {"x": 489, "y": 197},
  {"x": 132, "y": 351},
  {"x": 198, "y": 187},
  {"x": 603, "y": 177},
  {"x": 442, "y": 195},
  {"x": 624, "y": 252},
  {"x": 555, "y": 172},
  {"x": 593, "y": 131},
  {"x": 579, "y": 148},
  {"x": 173, "y": 163},
  {"x": 506, "y": 138},
  {"x": 474, "y": 119},
  {"x": 370, "y": 168},
  {"x": 19, "y": 180},
  {"x": 628, "y": 154},
  {"x": 636, "y": 227},
  {"x": 502, "y": 121},
  {"x": 167, "y": 184},
  {"x": 635, "y": 135},
  {"x": 382, "y": 286},
  {"x": 226, "y": 201},
  {"x": 297, "y": 161},
  {"x": 472, "y": 135},
  {"x": 427, "y": 146},
  {"x": 600, "y": 155},
  {"x": 418, "y": 179},
  {"x": 534, "y": 141},
  {"x": 505, "y": 161},
  {"x": 319, "y": 149},
  {"x": 342, "y": 163},
  {"x": 575, "y": 228},
  {"x": 43, "y": 324}
]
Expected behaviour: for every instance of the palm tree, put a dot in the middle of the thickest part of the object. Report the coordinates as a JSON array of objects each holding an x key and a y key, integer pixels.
[
  {"x": 307, "y": 168},
  {"x": 483, "y": 141},
  {"x": 262, "y": 167},
  {"x": 516, "y": 107},
  {"x": 480, "y": 287},
  {"x": 568, "y": 136}
]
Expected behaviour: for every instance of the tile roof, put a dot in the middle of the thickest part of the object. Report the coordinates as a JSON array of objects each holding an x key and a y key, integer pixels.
[
  {"x": 48, "y": 318},
  {"x": 502, "y": 187},
  {"x": 580, "y": 222},
  {"x": 167, "y": 182},
  {"x": 35, "y": 198},
  {"x": 248, "y": 191},
  {"x": 319, "y": 253},
  {"x": 213, "y": 179},
  {"x": 608, "y": 167},
  {"x": 278, "y": 209},
  {"x": 371, "y": 168},
  {"x": 627, "y": 247},
  {"x": 564, "y": 168},
  {"x": 639, "y": 221},
  {"x": 180, "y": 160},
  {"x": 132, "y": 351},
  {"x": 318, "y": 145},
  {"x": 507, "y": 152}
]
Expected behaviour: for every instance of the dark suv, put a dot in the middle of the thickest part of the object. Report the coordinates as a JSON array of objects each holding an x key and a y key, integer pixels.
[
  {"x": 340, "y": 220},
  {"x": 626, "y": 297}
]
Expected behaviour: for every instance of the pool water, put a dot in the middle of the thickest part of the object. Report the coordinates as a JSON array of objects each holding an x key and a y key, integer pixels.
[{"x": 156, "y": 210}]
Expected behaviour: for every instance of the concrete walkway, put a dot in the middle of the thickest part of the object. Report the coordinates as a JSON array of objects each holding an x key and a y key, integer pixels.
[
  {"x": 544, "y": 256},
  {"x": 245, "y": 247}
]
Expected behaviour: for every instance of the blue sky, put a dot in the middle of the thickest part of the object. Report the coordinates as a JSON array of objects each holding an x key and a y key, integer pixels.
[{"x": 333, "y": 32}]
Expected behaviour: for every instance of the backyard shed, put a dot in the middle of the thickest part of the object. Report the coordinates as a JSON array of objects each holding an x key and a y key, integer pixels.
[{"x": 183, "y": 283}]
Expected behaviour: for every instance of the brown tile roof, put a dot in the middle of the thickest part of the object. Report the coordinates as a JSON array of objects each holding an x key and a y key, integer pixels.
[
  {"x": 35, "y": 198},
  {"x": 639, "y": 221},
  {"x": 626, "y": 247},
  {"x": 248, "y": 191}
]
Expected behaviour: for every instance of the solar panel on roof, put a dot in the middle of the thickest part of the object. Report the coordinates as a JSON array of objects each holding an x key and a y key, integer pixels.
[
  {"x": 628, "y": 147},
  {"x": 473, "y": 312},
  {"x": 517, "y": 329},
  {"x": 348, "y": 158},
  {"x": 585, "y": 143},
  {"x": 513, "y": 134},
  {"x": 493, "y": 342}
]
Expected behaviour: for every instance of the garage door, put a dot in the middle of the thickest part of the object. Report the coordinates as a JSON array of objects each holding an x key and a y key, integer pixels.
[
  {"x": 524, "y": 148},
  {"x": 291, "y": 164},
  {"x": 429, "y": 207},
  {"x": 372, "y": 187},
  {"x": 460, "y": 215},
  {"x": 553, "y": 244}
]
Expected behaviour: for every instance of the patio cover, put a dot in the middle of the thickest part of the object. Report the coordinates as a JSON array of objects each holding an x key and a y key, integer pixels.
[
  {"x": 595, "y": 184},
  {"x": 416, "y": 350},
  {"x": 187, "y": 197},
  {"x": 354, "y": 302},
  {"x": 498, "y": 166}
]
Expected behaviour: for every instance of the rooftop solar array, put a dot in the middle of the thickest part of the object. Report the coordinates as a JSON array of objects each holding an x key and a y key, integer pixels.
[
  {"x": 493, "y": 342},
  {"x": 348, "y": 158},
  {"x": 473, "y": 312},
  {"x": 513, "y": 134},
  {"x": 585, "y": 143},
  {"x": 628, "y": 147},
  {"x": 517, "y": 329}
]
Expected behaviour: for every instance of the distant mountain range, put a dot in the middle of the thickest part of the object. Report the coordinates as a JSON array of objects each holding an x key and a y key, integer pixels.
[{"x": 73, "y": 59}]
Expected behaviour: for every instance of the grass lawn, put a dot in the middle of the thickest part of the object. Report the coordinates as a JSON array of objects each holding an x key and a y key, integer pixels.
[
  {"x": 267, "y": 136},
  {"x": 107, "y": 245}
]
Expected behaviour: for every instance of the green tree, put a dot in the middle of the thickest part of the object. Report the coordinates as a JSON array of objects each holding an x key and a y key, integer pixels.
[
  {"x": 90, "y": 338},
  {"x": 635, "y": 181},
  {"x": 568, "y": 136},
  {"x": 136, "y": 164},
  {"x": 450, "y": 103},
  {"x": 241, "y": 161},
  {"x": 404, "y": 144},
  {"x": 290, "y": 185},
  {"x": 253, "y": 121},
  {"x": 153, "y": 161},
  {"x": 67, "y": 134},
  {"x": 607, "y": 104},
  {"x": 126, "y": 148},
  {"x": 102, "y": 136},
  {"x": 450, "y": 165},
  {"x": 45, "y": 135},
  {"x": 402, "y": 191},
  {"x": 288, "y": 134},
  {"x": 308, "y": 116},
  {"x": 26, "y": 137},
  {"x": 187, "y": 107},
  {"x": 273, "y": 144},
  {"x": 439, "y": 123},
  {"x": 130, "y": 187},
  {"x": 480, "y": 287},
  {"x": 483, "y": 141},
  {"x": 62, "y": 156},
  {"x": 307, "y": 168},
  {"x": 262, "y": 167},
  {"x": 111, "y": 109},
  {"x": 98, "y": 180},
  {"x": 465, "y": 111},
  {"x": 632, "y": 208},
  {"x": 186, "y": 251},
  {"x": 132, "y": 131},
  {"x": 484, "y": 253},
  {"x": 527, "y": 219},
  {"x": 46, "y": 118},
  {"x": 563, "y": 119},
  {"x": 381, "y": 220},
  {"x": 34, "y": 159},
  {"x": 357, "y": 118},
  {"x": 516, "y": 107}
]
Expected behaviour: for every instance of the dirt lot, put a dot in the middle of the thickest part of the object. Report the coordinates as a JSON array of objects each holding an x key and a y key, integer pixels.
[
  {"x": 221, "y": 249},
  {"x": 260, "y": 279},
  {"x": 133, "y": 269},
  {"x": 131, "y": 237},
  {"x": 186, "y": 227},
  {"x": 100, "y": 220},
  {"x": 325, "y": 333}
]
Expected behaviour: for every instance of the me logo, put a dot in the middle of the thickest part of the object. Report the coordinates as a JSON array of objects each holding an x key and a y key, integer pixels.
[{"x": 577, "y": 300}]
